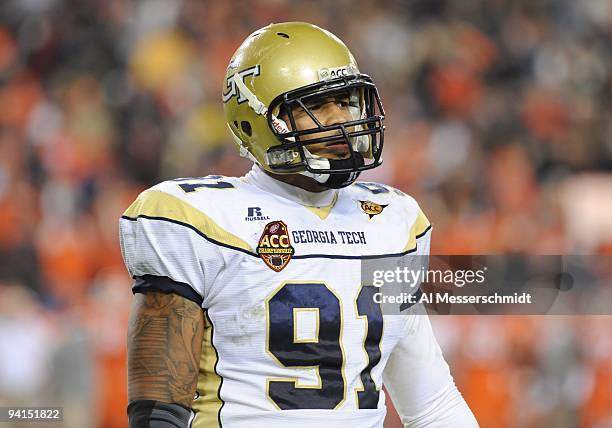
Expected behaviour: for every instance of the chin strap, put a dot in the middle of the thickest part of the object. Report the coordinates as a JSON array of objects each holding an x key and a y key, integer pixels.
[
  {"x": 333, "y": 181},
  {"x": 318, "y": 162},
  {"x": 336, "y": 181}
]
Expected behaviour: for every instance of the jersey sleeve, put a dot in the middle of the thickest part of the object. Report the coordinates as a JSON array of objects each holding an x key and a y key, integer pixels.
[
  {"x": 163, "y": 249},
  {"x": 419, "y": 380},
  {"x": 419, "y": 236},
  {"x": 416, "y": 257},
  {"x": 417, "y": 376}
]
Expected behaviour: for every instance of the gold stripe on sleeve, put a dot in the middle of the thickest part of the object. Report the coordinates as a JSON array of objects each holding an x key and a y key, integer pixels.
[
  {"x": 419, "y": 226},
  {"x": 158, "y": 204}
]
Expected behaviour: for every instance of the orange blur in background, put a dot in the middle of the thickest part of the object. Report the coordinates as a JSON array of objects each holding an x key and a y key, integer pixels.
[{"x": 498, "y": 117}]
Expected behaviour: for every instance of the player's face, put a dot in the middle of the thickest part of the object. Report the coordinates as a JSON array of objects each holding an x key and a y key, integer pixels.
[{"x": 329, "y": 110}]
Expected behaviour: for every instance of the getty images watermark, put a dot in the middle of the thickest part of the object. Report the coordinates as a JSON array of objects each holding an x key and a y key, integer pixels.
[
  {"x": 411, "y": 278},
  {"x": 492, "y": 284}
]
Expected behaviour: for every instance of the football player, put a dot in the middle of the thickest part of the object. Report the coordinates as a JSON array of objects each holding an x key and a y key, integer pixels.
[{"x": 249, "y": 308}]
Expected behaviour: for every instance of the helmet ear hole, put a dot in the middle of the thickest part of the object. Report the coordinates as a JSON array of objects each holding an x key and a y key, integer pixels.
[{"x": 246, "y": 127}]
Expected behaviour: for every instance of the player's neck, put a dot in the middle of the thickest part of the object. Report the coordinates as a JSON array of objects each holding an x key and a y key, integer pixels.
[{"x": 289, "y": 187}]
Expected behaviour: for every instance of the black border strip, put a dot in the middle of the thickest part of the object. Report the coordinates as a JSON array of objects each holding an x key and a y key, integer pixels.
[
  {"x": 146, "y": 283},
  {"x": 303, "y": 256},
  {"x": 334, "y": 256},
  {"x": 420, "y": 235}
]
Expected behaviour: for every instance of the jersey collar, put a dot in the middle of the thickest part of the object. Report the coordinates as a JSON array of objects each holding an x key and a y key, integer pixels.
[{"x": 296, "y": 194}]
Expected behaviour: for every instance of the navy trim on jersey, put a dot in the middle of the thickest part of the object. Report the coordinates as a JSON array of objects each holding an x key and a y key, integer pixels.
[
  {"x": 303, "y": 256},
  {"x": 420, "y": 235},
  {"x": 337, "y": 256},
  {"x": 146, "y": 283}
]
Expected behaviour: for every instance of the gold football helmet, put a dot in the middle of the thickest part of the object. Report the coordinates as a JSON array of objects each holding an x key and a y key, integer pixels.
[{"x": 282, "y": 68}]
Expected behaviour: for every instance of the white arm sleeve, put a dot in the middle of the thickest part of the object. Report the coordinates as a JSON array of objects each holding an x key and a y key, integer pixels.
[{"x": 419, "y": 380}]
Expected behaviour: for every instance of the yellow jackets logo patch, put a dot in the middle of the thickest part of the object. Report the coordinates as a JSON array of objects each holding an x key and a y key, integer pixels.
[
  {"x": 274, "y": 246},
  {"x": 371, "y": 208}
]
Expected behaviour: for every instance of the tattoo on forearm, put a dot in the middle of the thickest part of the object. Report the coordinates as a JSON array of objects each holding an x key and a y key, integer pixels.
[{"x": 164, "y": 344}]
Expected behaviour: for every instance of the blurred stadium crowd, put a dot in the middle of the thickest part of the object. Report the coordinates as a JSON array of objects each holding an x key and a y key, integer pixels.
[{"x": 499, "y": 123}]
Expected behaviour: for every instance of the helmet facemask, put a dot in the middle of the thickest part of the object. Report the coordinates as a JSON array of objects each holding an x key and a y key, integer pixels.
[{"x": 363, "y": 135}]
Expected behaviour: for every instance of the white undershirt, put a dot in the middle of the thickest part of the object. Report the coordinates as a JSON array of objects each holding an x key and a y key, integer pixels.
[{"x": 296, "y": 194}]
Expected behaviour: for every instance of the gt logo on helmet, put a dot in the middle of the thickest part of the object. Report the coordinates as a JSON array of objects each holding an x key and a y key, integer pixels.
[{"x": 232, "y": 88}]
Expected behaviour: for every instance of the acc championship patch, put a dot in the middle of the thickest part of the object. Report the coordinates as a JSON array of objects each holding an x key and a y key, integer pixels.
[
  {"x": 371, "y": 208},
  {"x": 274, "y": 246}
]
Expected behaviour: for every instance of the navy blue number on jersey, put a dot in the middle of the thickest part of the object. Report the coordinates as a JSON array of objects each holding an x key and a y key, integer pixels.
[
  {"x": 210, "y": 182},
  {"x": 368, "y": 397},
  {"x": 326, "y": 352}
]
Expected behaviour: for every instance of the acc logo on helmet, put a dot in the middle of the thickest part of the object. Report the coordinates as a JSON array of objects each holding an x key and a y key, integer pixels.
[{"x": 332, "y": 73}]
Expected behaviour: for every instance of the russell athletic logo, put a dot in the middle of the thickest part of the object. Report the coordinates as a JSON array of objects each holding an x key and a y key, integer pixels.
[
  {"x": 274, "y": 246},
  {"x": 371, "y": 208},
  {"x": 254, "y": 214}
]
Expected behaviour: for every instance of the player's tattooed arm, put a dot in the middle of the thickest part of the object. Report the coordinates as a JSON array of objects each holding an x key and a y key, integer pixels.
[{"x": 164, "y": 343}]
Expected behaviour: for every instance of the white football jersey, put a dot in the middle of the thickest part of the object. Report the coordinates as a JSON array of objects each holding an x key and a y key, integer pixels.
[{"x": 292, "y": 338}]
